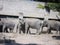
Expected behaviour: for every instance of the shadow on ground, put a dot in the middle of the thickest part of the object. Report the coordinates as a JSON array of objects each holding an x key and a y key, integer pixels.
[
  {"x": 56, "y": 37},
  {"x": 12, "y": 42}
]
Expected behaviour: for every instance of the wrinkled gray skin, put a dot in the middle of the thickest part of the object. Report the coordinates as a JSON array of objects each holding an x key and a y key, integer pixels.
[
  {"x": 9, "y": 26},
  {"x": 32, "y": 23},
  {"x": 51, "y": 25}
]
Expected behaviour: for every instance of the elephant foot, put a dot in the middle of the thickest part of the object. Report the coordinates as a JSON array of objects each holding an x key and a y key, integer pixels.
[
  {"x": 37, "y": 33},
  {"x": 40, "y": 33},
  {"x": 25, "y": 33},
  {"x": 50, "y": 33}
]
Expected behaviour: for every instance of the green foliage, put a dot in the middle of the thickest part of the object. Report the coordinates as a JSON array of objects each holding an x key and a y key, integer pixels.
[
  {"x": 40, "y": 6},
  {"x": 54, "y": 6}
]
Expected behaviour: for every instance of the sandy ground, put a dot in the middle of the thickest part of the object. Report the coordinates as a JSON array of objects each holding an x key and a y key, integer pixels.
[{"x": 33, "y": 39}]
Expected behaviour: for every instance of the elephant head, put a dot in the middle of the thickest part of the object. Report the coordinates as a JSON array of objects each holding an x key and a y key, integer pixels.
[
  {"x": 45, "y": 23},
  {"x": 21, "y": 21}
]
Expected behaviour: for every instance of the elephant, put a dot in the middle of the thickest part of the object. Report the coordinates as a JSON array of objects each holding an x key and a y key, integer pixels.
[
  {"x": 51, "y": 25},
  {"x": 21, "y": 26},
  {"x": 8, "y": 26},
  {"x": 32, "y": 23}
]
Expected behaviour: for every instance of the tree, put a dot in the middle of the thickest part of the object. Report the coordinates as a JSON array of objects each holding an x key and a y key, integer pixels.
[
  {"x": 48, "y": 1},
  {"x": 54, "y": 6}
]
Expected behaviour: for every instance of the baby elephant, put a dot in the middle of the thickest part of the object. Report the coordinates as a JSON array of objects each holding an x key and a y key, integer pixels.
[
  {"x": 51, "y": 25},
  {"x": 32, "y": 23}
]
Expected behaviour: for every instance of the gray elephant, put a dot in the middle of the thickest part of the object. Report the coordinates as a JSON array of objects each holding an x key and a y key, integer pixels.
[
  {"x": 32, "y": 23},
  {"x": 9, "y": 26},
  {"x": 51, "y": 25}
]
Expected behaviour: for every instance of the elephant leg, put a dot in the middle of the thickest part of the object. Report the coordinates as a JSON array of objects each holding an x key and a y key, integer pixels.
[
  {"x": 28, "y": 31},
  {"x": 57, "y": 32},
  {"x": 14, "y": 29},
  {"x": 41, "y": 29},
  {"x": 26, "y": 28},
  {"x": 3, "y": 30},
  {"x": 11, "y": 30},
  {"x": 49, "y": 29},
  {"x": 37, "y": 32},
  {"x": 6, "y": 29},
  {"x": 17, "y": 29}
]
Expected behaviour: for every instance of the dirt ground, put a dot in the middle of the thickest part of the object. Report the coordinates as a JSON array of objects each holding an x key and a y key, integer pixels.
[{"x": 32, "y": 39}]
